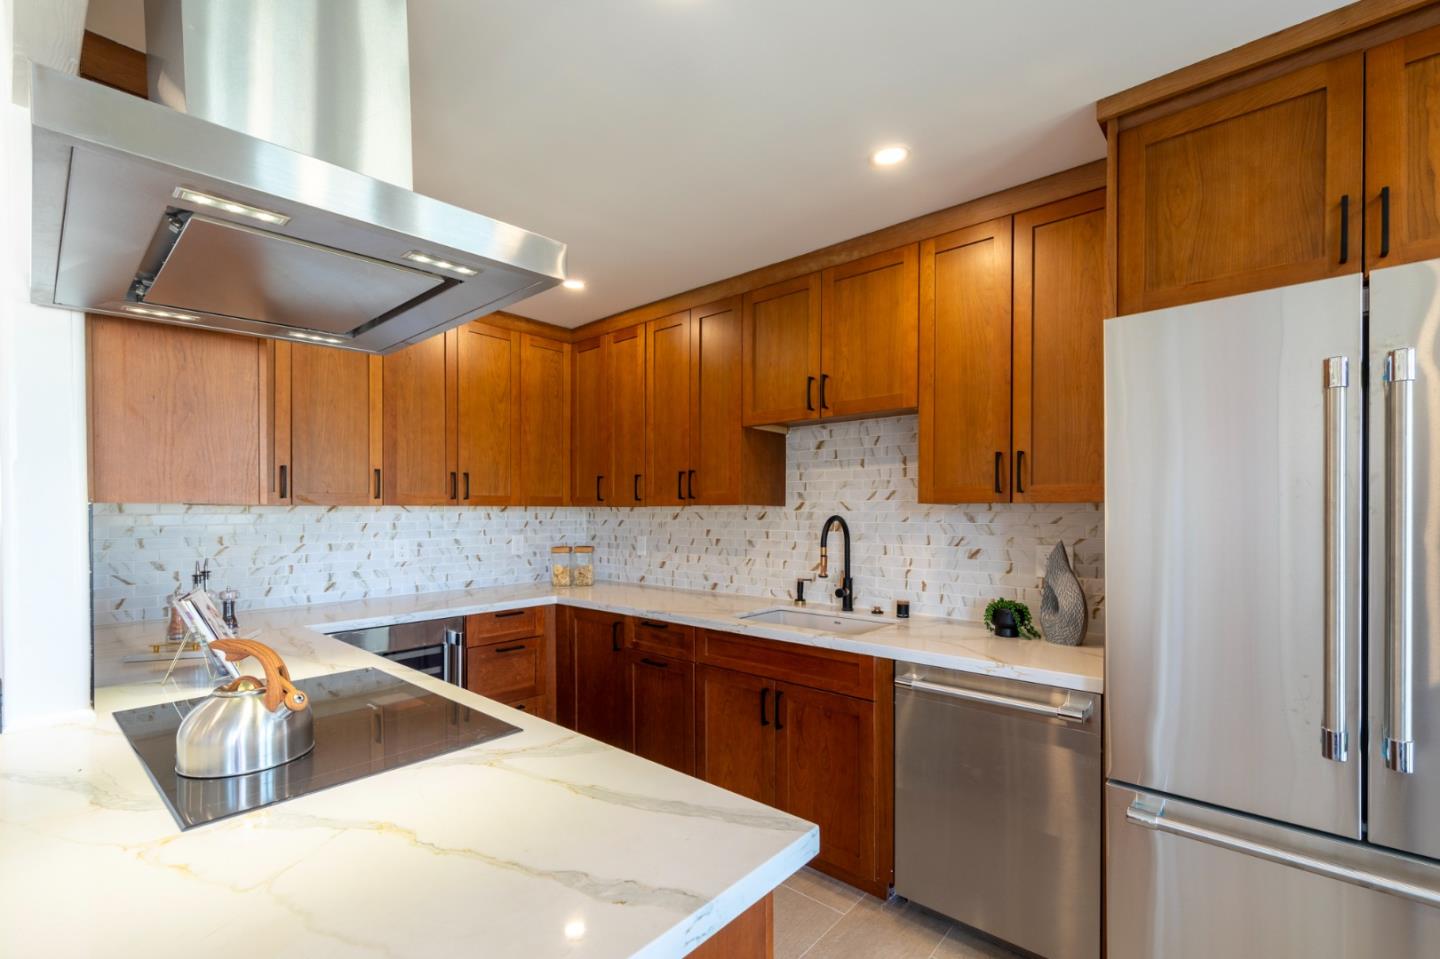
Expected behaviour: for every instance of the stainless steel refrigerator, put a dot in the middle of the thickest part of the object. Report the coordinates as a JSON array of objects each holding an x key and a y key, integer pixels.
[{"x": 1273, "y": 623}]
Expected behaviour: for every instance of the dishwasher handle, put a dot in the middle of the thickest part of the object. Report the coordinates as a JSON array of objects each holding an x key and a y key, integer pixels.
[{"x": 1075, "y": 708}]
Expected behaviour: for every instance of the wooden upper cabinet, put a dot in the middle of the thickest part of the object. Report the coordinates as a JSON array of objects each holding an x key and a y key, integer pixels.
[
  {"x": 1243, "y": 192},
  {"x": 174, "y": 414},
  {"x": 544, "y": 454},
  {"x": 1402, "y": 150},
  {"x": 327, "y": 426},
  {"x": 781, "y": 352},
  {"x": 488, "y": 414},
  {"x": 667, "y": 409},
  {"x": 965, "y": 359},
  {"x": 625, "y": 396},
  {"x": 592, "y": 482},
  {"x": 870, "y": 311},
  {"x": 1059, "y": 370},
  {"x": 420, "y": 417}
]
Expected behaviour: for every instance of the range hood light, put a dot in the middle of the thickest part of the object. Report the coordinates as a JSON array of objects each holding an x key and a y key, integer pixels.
[
  {"x": 425, "y": 258},
  {"x": 316, "y": 338},
  {"x": 161, "y": 314},
  {"x": 230, "y": 206}
]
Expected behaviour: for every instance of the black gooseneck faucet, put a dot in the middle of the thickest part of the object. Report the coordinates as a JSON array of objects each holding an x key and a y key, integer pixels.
[{"x": 846, "y": 590}]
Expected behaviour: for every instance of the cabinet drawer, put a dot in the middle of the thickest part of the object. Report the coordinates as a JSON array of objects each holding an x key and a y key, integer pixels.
[
  {"x": 848, "y": 673},
  {"x": 481, "y": 628},
  {"x": 509, "y": 670},
  {"x": 534, "y": 705},
  {"x": 666, "y": 639}
]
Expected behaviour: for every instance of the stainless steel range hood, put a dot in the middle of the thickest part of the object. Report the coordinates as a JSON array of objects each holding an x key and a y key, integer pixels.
[{"x": 143, "y": 210}]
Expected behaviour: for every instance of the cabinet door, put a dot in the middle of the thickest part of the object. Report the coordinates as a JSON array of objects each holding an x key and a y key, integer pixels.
[
  {"x": 715, "y": 432},
  {"x": 1060, "y": 352},
  {"x": 663, "y": 692},
  {"x": 1402, "y": 150},
  {"x": 488, "y": 401},
  {"x": 781, "y": 350},
  {"x": 825, "y": 772},
  {"x": 592, "y": 483},
  {"x": 667, "y": 410},
  {"x": 174, "y": 414},
  {"x": 544, "y": 421},
  {"x": 965, "y": 351},
  {"x": 419, "y": 386},
  {"x": 602, "y": 679},
  {"x": 328, "y": 425},
  {"x": 735, "y": 741},
  {"x": 869, "y": 334},
  {"x": 625, "y": 376},
  {"x": 1244, "y": 192}
]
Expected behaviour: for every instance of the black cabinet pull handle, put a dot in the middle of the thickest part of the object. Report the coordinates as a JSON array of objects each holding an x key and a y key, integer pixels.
[
  {"x": 1019, "y": 471},
  {"x": 656, "y": 663},
  {"x": 680, "y": 485},
  {"x": 377, "y": 483},
  {"x": 652, "y": 625},
  {"x": 598, "y": 497},
  {"x": 520, "y": 706},
  {"x": 779, "y": 695},
  {"x": 510, "y": 612},
  {"x": 637, "y": 487},
  {"x": 467, "y": 484},
  {"x": 454, "y": 492},
  {"x": 615, "y": 636},
  {"x": 809, "y": 393},
  {"x": 764, "y": 701},
  {"x": 284, "y": 481},
  {"x": 1345, "y": 228},
  {"x": 824, "y": 378},
  {"x": 999, "y": 466},
  {"x": 1384, "y": 221},
  {"x": 509, "y": 649},
  {"x": 690, "y": 485}
]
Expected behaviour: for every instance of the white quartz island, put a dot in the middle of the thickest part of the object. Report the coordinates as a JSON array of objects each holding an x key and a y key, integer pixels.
[{"x": 544, "y": 843}]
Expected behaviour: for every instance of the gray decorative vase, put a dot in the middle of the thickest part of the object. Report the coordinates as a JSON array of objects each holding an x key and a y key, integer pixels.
[{"x": 1063, "y": 616}]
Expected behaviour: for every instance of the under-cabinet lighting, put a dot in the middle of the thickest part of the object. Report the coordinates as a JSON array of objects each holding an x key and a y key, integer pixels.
[
  {"x": 317, "y": 338},
  {"x": 435, "y": 261},
  {"x": 573, "y": 284},
  {"x": 231, "y": 206},
  {"x": 889, "y": 156},
  {"x": 161, "y": 314}
]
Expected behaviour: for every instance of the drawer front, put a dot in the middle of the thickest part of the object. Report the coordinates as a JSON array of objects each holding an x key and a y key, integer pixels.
[
  {"x": 534, "y": 705},
  {"x": 665, "y": 639},
  {"x": 848, "y": 673},
  {"x": 509, "y": 670},
  {"x": 483, "y": 628}
]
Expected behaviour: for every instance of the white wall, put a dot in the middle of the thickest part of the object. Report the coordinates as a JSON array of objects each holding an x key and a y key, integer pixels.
[{"x": 44, "y": 534}]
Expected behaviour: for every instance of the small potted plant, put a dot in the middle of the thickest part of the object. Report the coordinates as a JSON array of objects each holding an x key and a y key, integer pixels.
[{"x": 1006, "y": 617}]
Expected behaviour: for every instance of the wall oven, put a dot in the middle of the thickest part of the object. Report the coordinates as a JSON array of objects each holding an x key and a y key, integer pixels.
[{"x": 435, "y": 647}]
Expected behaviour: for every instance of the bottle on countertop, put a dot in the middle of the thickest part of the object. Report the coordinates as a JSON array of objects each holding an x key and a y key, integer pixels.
[
  {"x": 228, "y": 598},
  {"x": 175, "y": 631}
]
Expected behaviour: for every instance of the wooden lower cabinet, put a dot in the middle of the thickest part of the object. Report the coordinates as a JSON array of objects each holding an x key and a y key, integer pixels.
[
  {"x": 735, "y": 749},
  {"x": 750, "y": 935},
  {"x": 601, "y": 683},
  {"x": 663, "y": 710}
]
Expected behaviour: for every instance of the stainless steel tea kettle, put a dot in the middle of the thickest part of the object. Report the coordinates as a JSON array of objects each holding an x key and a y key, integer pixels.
[{"x": 247, "y": 724}]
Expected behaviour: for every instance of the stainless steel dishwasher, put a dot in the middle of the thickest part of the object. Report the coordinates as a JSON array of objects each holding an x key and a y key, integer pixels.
[{"x": 998, "y": 791}]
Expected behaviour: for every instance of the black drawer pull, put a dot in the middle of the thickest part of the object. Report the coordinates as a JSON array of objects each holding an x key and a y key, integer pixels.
[
  {"x": 1019, "y": 471},
  {"x": 652, "y": 625},
  {"x": 656, "y": 663},
  {"x": 520, "y": 706},
  {"x": 509, "y": 649},
  {"x": 454, "y": 485},
  {"x": 779, "y": 695},
  {"x": 510, "y": 612},
  {"x": 377, "y": 483},
  {"x": 637, "y": 487},
  {"x": 1384, "y": 221},
  {"x": 690, "y": 485},
  {"x": 764, "y": 701},
  {"x": 284, "y": 481},
  {"x": 1345, "y": 228},
  {"x": 999, "y": 465},
  {"x": 680, "y": 485},
  {"x": 467, "y": 484},
  {"x": 809, "y": 394},
  {"x": 824, "y": 378},
  {"x": 599, "y": 498}
]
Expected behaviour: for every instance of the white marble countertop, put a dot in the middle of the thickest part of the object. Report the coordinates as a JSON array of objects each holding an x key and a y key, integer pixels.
[{"x": 541, "y": 844}]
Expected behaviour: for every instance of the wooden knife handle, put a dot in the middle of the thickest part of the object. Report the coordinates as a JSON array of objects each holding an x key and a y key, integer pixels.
[{"x": 278, "y": 687}]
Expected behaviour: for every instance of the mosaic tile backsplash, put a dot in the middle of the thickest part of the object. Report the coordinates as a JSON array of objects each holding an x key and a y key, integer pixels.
[{"x": 947, "y": 560}]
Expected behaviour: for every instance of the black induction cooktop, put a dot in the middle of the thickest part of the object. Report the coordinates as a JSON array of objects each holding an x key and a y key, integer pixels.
[{"x": 366, "y": 721}]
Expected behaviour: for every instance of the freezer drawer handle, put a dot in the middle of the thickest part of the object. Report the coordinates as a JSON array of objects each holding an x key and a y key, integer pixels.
[
  {"x": 1399, "y": 740},
  {"x": 1141, "y": 814},
  {"x": 1334, "y": 740},
  {"x": 1075, "y": 709}
]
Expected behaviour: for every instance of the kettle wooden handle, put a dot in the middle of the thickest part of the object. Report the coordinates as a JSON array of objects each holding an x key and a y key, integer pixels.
[{"x": 278, "y": 687}]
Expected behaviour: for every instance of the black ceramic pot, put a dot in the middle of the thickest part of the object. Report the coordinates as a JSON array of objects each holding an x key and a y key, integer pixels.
[{"x": 1004, "y": 620}]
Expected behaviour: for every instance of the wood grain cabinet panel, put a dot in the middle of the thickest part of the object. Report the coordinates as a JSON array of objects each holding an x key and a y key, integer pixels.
[
  {"x": 965, "y": 365},
  {"x": 625, "y": 383},
  {"x": 174, "y": 414},
  {"x": 734, "y": 732},
  {"x": 592, "y": 481},
  {"x": 510, "y": 670},
  {"x": 1402, "y": 150},
  {"x": 328, "y": 426},
  {"x": 869, "y": 333},
  {"x": 544, "y": 455},
  {"x": 488, "y": 419},
  {"x": 1059, "y": 368},
  {"x": 420, "y": 424},
  {"x": 1243, "y": 192},
  {"x": 668, "y": 415},
  {"x": 601, "y": 678},
  {"x": 781, "y": 352},
  {"x": 663, "y": 710}
]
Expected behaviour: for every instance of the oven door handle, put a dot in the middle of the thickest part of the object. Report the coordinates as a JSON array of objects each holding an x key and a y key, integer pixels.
[{"x": 454, "y": 672}]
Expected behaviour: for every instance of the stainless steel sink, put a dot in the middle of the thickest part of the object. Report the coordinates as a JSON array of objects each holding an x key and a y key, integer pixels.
[{"x": 807, "y": 619}]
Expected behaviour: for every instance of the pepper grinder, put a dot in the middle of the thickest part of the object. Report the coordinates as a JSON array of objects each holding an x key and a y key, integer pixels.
[{"x": 228, "y": 598}]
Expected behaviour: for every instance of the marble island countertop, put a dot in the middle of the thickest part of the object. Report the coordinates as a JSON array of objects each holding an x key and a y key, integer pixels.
[{"x": 544, "y": 843}]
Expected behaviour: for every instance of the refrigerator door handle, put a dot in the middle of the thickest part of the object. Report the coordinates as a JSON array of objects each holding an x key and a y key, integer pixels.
[
  {"x": 1399, "y": 745},
  {"x": 1151, "y": 815},
  {"x": 1334, "y": 738}
]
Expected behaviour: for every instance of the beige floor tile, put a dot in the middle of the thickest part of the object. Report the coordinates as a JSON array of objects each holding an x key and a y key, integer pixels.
[
  {"x": 895, "y": 930},
  {"x": 961, "y": 944},
  {"x": 820, "y": 887},
  {"x": 799, "y": 922}
]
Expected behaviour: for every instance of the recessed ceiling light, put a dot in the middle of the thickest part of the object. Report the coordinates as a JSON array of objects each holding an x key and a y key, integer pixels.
[
  {"x": 230, "y": 206},
  {"x": 161, "y": 314},
  {"x": 889, "y": 156},
  {"x": 573, "y": 284},
  {"x": 440, "y": 264}
]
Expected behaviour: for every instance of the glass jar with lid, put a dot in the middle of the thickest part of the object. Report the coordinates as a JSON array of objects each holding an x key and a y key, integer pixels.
[
  {"x": 560, "y": 565},
  {"x": 584, "y": 571}
]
